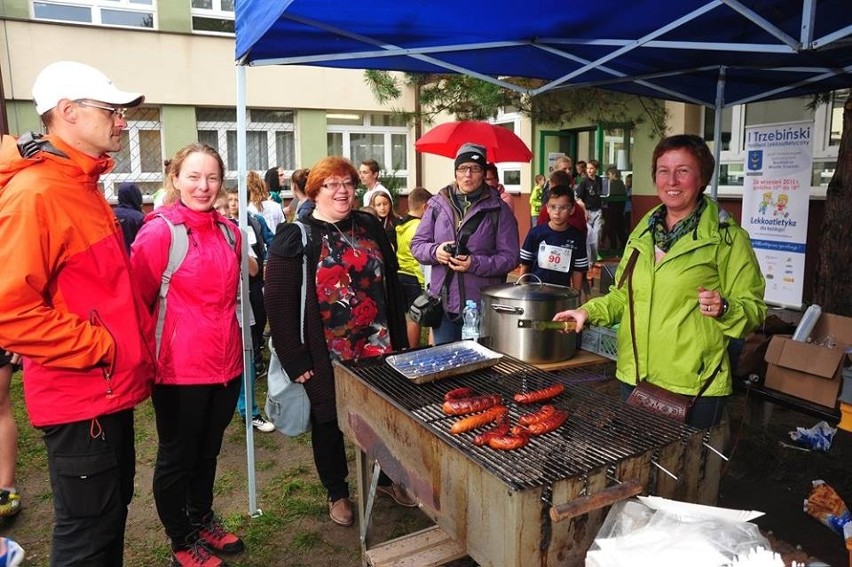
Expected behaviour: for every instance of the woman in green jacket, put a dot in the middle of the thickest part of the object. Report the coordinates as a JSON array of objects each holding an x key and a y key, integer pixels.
[{"x": 696, "y": 284}]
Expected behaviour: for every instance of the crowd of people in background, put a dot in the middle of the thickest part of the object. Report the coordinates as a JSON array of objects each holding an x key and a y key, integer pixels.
[{"x": 106, "y": 314}]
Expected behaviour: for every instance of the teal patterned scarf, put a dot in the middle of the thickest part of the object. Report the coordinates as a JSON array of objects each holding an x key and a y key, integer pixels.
[{"x": 664, "y": 239}]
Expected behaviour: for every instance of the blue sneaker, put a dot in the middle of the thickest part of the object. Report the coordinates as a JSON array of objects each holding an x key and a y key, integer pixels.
[{"x": 11, "y": 554}]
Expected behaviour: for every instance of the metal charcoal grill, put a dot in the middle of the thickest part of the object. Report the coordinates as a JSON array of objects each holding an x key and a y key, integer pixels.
[{"x": 497, "y": 503}]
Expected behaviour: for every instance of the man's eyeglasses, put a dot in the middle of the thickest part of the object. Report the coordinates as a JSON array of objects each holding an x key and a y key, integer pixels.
[
  {"x": 117, "y": 111},
  {"x": 335, "y": 185},
  {"x": 465, "y": 169}
]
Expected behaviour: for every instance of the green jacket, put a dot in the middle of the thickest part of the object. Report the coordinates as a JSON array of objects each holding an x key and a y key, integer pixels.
[{"x": 678, "y": 348}]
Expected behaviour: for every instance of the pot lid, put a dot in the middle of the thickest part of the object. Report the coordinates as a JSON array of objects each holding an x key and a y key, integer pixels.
[{"x": 530, "y": 291}]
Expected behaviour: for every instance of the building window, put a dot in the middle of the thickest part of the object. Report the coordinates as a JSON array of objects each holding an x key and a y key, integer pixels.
[
  {"x": 140, "y": 159},
  {"x": 270, "y": 137},
  {"x": 382, "y": 137},
  {"x": 123, "y": 13},
  {"x": 213, "y": 16},
  {"x": 509, "y": 173}
]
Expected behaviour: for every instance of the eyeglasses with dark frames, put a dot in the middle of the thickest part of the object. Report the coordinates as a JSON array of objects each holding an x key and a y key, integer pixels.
[
  {"x": 465, "y": 169},
  {"x": 116, "y": 111}
]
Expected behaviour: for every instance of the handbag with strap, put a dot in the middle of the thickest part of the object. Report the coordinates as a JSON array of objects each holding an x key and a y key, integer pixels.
[
  {"x": 427, "y": 310},
  {"x": 648, "y": 396},
  {"x": 287, "y": 404}
]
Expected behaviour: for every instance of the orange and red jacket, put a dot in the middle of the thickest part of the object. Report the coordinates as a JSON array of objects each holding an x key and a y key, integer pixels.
[{"x": 69, "y": 304}]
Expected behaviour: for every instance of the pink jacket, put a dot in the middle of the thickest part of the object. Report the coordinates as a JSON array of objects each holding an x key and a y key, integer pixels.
[{"x": 201, "y": 343}]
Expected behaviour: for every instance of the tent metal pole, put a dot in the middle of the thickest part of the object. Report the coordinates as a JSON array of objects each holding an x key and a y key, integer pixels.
[
  {"x": 717, "y": 131},
  {"x": 248, "y": 351}
]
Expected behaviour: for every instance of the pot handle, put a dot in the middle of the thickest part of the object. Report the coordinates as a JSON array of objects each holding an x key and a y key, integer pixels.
[
  {"x": 502, "y": 308},
  {"x": 528, "y": 274}
]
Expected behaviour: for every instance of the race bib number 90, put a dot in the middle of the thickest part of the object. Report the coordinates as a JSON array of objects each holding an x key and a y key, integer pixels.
[{"x": 554, "y": 258}]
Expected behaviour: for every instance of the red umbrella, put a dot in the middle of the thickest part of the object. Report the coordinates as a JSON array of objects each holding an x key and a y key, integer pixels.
[{"x": 500, "y": 144}]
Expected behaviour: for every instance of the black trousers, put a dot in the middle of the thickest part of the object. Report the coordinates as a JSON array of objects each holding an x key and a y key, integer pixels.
[
  {"x": 92, "y": 464},
  {"x": 330, "y": 459},
  {"x": 191, "y": 422},
  {"x": 259, "y": 312}
]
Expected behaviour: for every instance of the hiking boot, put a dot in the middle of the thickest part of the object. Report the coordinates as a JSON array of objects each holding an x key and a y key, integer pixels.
[
  {"x": 399, "y": 494},
  {"x": 196, "y": 555},
  {"x": 261, "y": 424},
  {"x": 341, "y": 512},
  {"x": 216, "y": 537},
  {"x": 10, "y": 503}
]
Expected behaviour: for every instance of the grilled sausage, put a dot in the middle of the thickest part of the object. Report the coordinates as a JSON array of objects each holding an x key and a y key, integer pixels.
[
  {"x": 471, "y": 405},
  {"x": 509, "y": 442},
  {"x": 548, "y": 424},
  {"x": 540, "y": 395},
  {"x": 476, "y": 421},
  {"x": 458, "y": 394},
  {"x": 499, "y": 430},
  {"x": 536, "y": 416}
]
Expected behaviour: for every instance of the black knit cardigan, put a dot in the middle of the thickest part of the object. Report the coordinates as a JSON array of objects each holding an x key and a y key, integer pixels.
[{"x": 282, "y": 298}]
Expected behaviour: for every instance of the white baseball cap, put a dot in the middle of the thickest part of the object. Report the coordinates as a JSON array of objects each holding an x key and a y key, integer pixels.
[{"x": 77, "y": 81}]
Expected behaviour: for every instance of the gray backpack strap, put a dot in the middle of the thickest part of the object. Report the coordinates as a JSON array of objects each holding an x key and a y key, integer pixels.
[
  {"x": 229, "y": 234},
  {"x": 304, "y": 230},
  {"x": 178, "y": 247}
]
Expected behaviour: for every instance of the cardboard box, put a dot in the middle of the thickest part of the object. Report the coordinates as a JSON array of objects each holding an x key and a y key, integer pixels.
[{"x": 806, "y": 370}]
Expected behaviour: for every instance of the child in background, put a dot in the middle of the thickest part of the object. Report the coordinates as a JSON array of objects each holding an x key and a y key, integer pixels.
[
  {"x": 382, "y": 202},
  {"x": 410, "y": 274},
  {"x": 556, "y": 251},
  {"x": 535, "y": 199},
  {"x": 257, "y": 253}
]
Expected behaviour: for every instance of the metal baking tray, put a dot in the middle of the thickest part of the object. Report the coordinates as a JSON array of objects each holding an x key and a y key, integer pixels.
[{"x": 434, "y": 363}]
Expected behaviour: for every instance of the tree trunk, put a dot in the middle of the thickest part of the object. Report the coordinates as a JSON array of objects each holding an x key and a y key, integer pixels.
[{"x": 833, "y": 285}]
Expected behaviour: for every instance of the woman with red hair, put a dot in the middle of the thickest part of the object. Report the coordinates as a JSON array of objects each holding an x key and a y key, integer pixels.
[{"x": 354, "y": 308}]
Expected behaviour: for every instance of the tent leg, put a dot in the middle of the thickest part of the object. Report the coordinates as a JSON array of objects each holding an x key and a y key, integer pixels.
[
  {"x": 717, "y": 131},
  {"x": 248, "y": 356}
]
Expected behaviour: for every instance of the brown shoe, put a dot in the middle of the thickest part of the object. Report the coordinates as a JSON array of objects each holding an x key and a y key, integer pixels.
[
  {"x": 341, "y": 512},
  {"x": 399, "y": 494}
]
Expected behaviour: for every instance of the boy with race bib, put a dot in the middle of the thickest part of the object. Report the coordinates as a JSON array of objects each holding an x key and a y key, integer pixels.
[{"x": 556, "y": 251}]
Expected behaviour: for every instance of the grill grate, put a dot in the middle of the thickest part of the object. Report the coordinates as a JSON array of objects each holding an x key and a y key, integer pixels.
[{"x": 600, "y": 431}]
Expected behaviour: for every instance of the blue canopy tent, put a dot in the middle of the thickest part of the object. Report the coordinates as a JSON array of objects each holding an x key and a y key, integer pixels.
[{"x": 716, "y": 53}]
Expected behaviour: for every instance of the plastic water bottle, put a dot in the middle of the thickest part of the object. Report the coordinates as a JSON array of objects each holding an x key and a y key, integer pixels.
[
  {"x": 470, "y": 319},
  {"x": 806, "y": 325}
]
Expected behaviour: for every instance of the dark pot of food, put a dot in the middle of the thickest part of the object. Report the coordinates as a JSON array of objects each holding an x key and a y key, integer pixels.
[{"x": 516, "y": 320}]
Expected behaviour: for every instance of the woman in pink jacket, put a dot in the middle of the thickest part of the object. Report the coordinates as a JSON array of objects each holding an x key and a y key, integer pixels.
[{"x": 199, "y": 359}]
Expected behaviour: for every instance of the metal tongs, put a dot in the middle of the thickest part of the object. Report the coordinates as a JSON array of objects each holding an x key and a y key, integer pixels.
[{"x": 547, "y": 325}]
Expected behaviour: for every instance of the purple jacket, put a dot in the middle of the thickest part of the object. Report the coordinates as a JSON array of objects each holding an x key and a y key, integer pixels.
[{"x": 494, "y": 247}]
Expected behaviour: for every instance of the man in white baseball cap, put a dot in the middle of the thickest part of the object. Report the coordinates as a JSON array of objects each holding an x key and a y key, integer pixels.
[
  {"x": 78, "y": 81},
  {"x": 71, "y": 309},
  {"x": 69, "y": 86}
]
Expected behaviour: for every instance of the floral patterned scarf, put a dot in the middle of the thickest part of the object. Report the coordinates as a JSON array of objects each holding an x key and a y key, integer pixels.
[{"x": 664, "y": 238}]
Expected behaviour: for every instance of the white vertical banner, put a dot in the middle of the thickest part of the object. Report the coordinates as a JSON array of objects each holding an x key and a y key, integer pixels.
[{"x": 776, "y": 197}]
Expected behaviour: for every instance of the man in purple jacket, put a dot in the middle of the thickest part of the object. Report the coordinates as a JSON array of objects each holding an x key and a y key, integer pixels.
[{"x": 470, "y": 238}]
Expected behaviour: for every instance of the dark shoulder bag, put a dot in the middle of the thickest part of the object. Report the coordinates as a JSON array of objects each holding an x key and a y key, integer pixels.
[{"x": 648, "y": 396}]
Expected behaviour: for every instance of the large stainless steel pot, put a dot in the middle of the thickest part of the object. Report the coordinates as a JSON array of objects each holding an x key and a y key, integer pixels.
[{"x": 510, "y": 321}]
